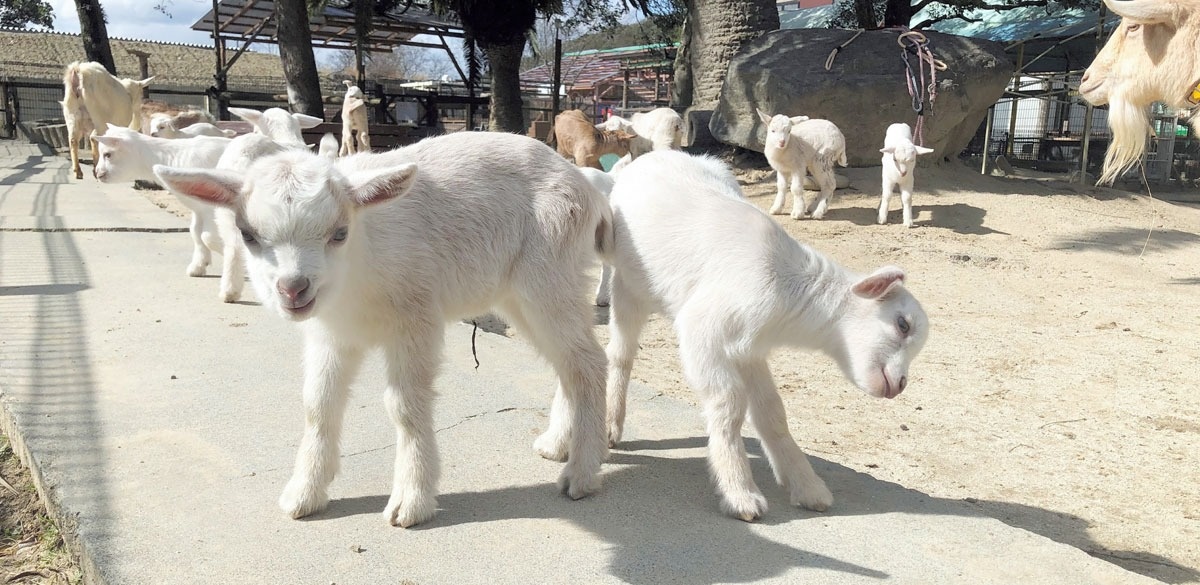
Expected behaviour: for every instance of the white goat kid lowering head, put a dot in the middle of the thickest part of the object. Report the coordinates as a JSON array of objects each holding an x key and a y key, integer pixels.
[
  {"x": 779, "y": 128},
  {"x": 884, "y": 329},
  {"x": 277, "y": 124},
  {"x": 904, "y": 156},
  {"x": 298, "y": 215},
  {"x": 1151, "y": 56}
]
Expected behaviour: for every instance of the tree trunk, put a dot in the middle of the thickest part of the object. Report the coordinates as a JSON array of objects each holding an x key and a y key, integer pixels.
[
  {"x": 898, "y": 13},
  {"x": 681, "y": 86},
  {"x": 296, "y": 55},
  {"x": 95, "y": 34},
  {"x": 718, "y": 29},
  {"x": 864, "y": 13},
  {"x": 504, "y": 61}
]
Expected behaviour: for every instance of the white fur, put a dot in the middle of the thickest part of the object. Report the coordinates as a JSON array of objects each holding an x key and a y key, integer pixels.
[
  {"x": 899, "y": 169},
  {"x": 127, "y": 156},
  {"x": 278, "y": 124},
  {"x": 736, "y": 287},
  {"x": 379, "y": 250},
  {"x": 328, "y": 147},
  {"x": 163, "y": 126},
  {"x": 354, "y": 119},
  {"x": 658, "y": 129},
  {"x": 603, "y": 182},
  {"x": 89, "y": 88},
  {"x": 797, "y": 145}
]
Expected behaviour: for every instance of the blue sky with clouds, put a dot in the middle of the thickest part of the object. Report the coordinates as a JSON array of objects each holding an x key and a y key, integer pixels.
[{"x": 135, "y": 19}]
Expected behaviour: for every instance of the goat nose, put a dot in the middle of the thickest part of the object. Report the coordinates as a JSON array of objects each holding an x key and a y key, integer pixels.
[
  {"x": 1086, "y": 75},
  {"x": 292, "y": 288},
  {"x": 903, "y": 382}
]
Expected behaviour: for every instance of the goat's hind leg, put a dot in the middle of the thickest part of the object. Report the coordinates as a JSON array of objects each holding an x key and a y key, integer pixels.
[
  {"x": 559, "y": 326},
  {"x": 201, "y": 255},
  {"x": 627, "y": 316},
  {"x": 822, "y": 172},
  {"x": 328, "y": 371},
  {"x": 791, "y": 466},
  {"x": 781, "y": 183}
]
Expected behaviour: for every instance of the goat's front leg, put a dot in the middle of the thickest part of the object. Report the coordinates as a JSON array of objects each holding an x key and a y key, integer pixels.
[
  {"x": 906, "y": 200},
  {"x": 201, "y": 255},
  {"x": 412, "y": 366},
  {"x": 888, "y": 187},
  {"x": 328, "y": 370},
  {"x": 781, "y": 183},
  {"x": 791, "y": 466},
  {"x": 233, "y": 278},
  {"x": 798, "y": 205}
]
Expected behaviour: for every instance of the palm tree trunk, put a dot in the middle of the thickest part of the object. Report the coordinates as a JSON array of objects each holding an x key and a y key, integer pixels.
[
  {"x": 95, "y": 34},
  {"x": 898, "y": 13},
  {"x": 718, "y": 29},
  {"x": 504, "y": 60},
  {"x": 296, "y": 55}
]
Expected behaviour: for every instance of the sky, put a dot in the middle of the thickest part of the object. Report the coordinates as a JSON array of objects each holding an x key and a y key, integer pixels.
[{"x": 135, "y": 19}]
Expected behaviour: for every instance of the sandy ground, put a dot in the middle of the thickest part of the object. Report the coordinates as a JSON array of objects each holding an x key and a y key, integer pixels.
[{"x": 1056, "y": 389}]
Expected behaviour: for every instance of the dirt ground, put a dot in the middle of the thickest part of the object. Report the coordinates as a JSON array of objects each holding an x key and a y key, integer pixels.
[
  {"x": 1056, "y": 391},
  {"x": 31, "y": 550}
]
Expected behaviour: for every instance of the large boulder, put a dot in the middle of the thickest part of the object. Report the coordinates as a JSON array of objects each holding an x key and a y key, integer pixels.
[{"x": 783, "y": 72}]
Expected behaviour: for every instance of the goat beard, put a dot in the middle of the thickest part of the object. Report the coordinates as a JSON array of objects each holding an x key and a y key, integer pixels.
[{"x": 1130, "y": 126}]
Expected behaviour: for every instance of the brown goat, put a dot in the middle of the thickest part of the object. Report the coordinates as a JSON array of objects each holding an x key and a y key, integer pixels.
[{"x": 576, "y": 137}]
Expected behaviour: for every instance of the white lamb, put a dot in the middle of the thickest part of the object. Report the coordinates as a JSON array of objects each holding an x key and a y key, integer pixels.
[
  {"x": 899, "y": 168},
  {"x": 797, "y": 145},
  {"x": 380, "y": 250},
  {"x": 127, "y": 156},
  {"x": 658, "y": 129},
  {"x": 278, "y": 124},
  {"x": 163, "y": 126},
  {"x": 354, "y": 120},
  {"x": 737, "y": 286}
]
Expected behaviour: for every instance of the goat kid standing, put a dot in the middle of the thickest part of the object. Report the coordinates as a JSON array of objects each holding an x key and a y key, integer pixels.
[
  {"x": 354, "y": 120},
  {"x": 737, "y": 286},
  {"x": 368, "y": 251},
  {"x": 797, "y": 145},
  {"x": 899, "y": 168}
]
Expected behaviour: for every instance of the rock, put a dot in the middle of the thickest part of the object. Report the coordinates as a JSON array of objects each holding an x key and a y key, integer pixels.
[{"x": 784, "y": 72}]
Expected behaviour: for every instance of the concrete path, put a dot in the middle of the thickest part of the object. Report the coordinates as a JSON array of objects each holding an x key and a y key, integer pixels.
[{"x": 161, "y": 425}]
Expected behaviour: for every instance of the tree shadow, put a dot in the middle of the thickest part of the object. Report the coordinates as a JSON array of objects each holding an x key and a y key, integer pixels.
[
  {"x": 659, "y": 518},
  {"x": 1127, "y": 240}
]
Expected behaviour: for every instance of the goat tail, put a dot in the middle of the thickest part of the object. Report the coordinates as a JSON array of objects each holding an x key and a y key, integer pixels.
[
  {"x": 72, "y": 84},
  {"x": 841, "y": 160}
]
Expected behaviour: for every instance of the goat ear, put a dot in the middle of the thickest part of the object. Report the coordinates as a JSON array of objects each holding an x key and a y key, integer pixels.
[
  {"x": 763, "y": 116},
  {"x": 888, "y": 150},
  {"x": 377, "y": 186},
  {"x": 923, "y": 150},
  {"x": 880, "y": 283},
  {"x": 145, "y": 82},
  {"x": 109, "y": 141},
  {"x": 229, "y": 133},
  {"x": 252, "y": 116},
  {"x": 798, "y": 119},
  {"x": 307, "y": 121},
  {"x": 219, "y": 187}
]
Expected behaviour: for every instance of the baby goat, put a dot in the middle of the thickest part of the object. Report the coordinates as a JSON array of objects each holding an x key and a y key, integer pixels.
[
  {"x": 737, "y": 286},
  {"x": 368, "y": 251},
  {"x": 797, "y": 145},
  {"x": 899, "y": 166}
]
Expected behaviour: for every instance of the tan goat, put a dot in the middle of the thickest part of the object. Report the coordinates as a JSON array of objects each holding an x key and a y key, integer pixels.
[
  {"x": 576, "y": 136},
  {"x": 354, "y": 119}
]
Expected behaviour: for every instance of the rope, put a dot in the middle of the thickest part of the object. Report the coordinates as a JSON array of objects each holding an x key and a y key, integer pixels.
[
  {"x": 838, "y": 49},
  {"x": 923, "y": 95}
]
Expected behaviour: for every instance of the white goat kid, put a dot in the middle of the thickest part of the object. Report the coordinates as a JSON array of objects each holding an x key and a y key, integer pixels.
[
  {"x": 354, "y": 120},
  {"x": 278, "y": 124},
  {"x": 658, "y": 129},
  {"x": 163, "y": 126},
  {"x": 737, "y": 286},
  {"x": 603, "y": 182},
  {"x": 899, "y": 168},
  {"x": 797, "y": 145},
  {"x": 368, "y": 252},
  {"x": 127, "y": 156}
]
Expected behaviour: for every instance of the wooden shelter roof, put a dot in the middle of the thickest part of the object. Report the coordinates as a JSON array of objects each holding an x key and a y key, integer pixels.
[{"x": 253, "y": 21}]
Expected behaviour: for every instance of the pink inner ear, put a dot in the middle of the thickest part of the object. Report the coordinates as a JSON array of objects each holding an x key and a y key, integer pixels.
[
  {"x": 878, "y": 285},
  {"x": 206, "y": 190}
]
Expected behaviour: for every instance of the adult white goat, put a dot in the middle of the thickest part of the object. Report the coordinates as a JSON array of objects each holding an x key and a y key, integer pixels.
[
  {"x": 1151, "y": 56},
  {"x": 658, "y": 129},
  {"x": 797, "y": 145},
  {"x": 89, "y": 88},
  {"x": 366, "y": 251},
  {"x": 737, "y": 286},
  {"x": 354, "y": 120},
  {"x": 899, "y": 169}
]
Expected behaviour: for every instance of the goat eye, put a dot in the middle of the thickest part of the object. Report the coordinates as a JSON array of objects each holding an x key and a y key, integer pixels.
[
  {"x": 1133, "y": 27},
  {"x": 248, "y": 237},
  {"x": 903, "y": 325},
  {"x": 339, "y": 235}
]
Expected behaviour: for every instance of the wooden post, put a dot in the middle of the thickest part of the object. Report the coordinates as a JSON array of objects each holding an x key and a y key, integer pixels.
[
  {"x": 625, "y": 92},
  {"x": 987, "y": 139},
  {"x": 556, "y": 80},
  {"x": 1086, "y": 144},
  {"x": 1012, "y": 111},
  {"x": 219, "y": 88}
]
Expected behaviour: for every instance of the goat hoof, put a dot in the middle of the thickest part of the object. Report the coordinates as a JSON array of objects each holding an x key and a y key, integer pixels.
[
  {"x": 578, "y": 485},
  {"x": 231, "y": 296},
  {"x": 301, "y": 498},
  {"x": 797, "y": 215},
  {"x": 776, "y": 210},
  {"x": 196, "y": 270},
  {"x": 407, "y": 513},
  {"x": 745, "y": 506},
  {"x": 551, "y": 447},
  {"x": 815, "y": 497}
]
